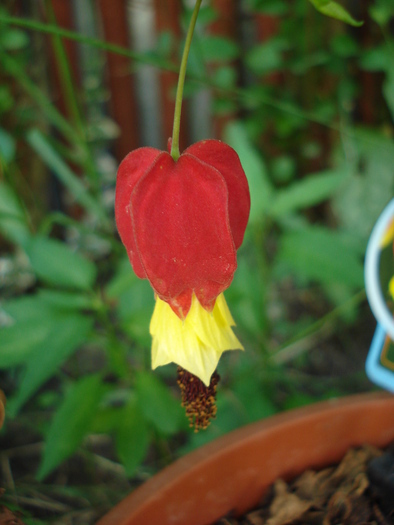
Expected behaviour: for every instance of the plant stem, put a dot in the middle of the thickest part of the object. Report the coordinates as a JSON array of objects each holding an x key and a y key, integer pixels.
[{"x": 181, "y": 82}]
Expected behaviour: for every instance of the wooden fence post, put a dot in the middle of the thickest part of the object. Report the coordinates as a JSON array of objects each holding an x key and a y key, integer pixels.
[{"x": 123, "y": 99}]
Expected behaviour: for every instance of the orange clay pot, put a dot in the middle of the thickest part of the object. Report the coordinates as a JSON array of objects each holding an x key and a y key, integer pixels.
[{"x": 233, "y": 472}]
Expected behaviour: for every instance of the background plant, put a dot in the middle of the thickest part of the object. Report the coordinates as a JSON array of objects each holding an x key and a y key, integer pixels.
[{"x": 309, "y": 112}]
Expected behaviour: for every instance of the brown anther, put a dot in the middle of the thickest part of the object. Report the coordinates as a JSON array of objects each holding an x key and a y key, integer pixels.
[{"x": 198, "y": 400}]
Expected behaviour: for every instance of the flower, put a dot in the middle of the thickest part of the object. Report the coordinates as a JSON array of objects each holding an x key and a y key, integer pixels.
[
  {"x": 196, "y": 343},
  {"x": 181, "y": 223}
]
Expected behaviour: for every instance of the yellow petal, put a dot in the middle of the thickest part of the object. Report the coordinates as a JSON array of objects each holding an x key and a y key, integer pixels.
[
  {"x": 388, "y": 235},
  {"x": 196, "y": 343}
]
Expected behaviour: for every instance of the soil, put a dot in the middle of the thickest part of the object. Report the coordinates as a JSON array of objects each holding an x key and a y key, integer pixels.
[{"x": 358, "y": 491}]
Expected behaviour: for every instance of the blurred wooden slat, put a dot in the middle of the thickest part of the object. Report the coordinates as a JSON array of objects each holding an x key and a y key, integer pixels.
[
  {"x": 65, "y": 18},
  {"x": 226, "y": 22},
  {"x": 267, "y": 26},
  {"x": 123, "y": 99}
]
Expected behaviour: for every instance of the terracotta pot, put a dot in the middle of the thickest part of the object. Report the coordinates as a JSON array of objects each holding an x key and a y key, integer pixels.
[{"x": 233, "y": 472}]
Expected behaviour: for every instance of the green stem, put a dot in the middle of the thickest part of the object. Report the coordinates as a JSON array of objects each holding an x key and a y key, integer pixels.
[{"x": 181, "y": 82}]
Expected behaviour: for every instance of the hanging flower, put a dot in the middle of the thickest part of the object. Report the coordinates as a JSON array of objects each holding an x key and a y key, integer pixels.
[
  {"x": 182, "y": 219},
  {"x": 181, "y": 223}
]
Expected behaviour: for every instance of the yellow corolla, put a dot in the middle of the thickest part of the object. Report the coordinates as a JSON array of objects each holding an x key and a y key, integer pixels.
[{"x": 195, "y": 343}]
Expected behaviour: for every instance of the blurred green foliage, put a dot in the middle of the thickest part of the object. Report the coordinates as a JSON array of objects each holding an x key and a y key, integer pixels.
[{"x": 74, "y": 319}]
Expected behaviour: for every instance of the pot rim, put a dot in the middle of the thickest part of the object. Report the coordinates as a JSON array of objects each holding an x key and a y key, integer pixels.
[{"x": 321, "y": 432}]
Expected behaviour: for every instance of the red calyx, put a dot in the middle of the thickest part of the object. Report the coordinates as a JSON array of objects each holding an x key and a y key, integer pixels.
[{"x": 182, "y": 222}]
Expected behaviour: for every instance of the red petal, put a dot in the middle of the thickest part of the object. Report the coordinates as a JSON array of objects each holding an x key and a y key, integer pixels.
[
  {"x": 182, "y": 231},
  {"x": 226, "y": 161},
  {"x": 131, "y": 169}
]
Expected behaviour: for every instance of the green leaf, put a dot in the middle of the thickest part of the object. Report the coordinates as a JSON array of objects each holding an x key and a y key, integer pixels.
[
  {"x": 248, "y": 291},
  {"x": 13, "y": 223},
  {"x": 13, "y": 39},
  {"x": 123, "y": 279},
  {"x": 301, "y": 64},
  {"x": 158, "y": 405},
  {"x": 135, "y": 302},
  {"x": 6, "y": 99},
  {"x": 388, "y": 88},
  {"x": 106, "y": 420},
  {"x": 218, "y": 49},
  {"x": 132, "y": 437},
  {"x": 344, "y": 45},
  {"x": 29, "y": 323},
  {"x": 283, "y": 169},
  {"x": 135, "y": 307},
  {"x": 19, "y": 341},
  {"x": 266, "y": 57},
  {"x": 71, "y": 423},
  {"x": 256, "y": 403},
  {"x": 318, "y": 254},
  {"x": 260, "y": 186},
  {"x": 68, "y": 331},
  {"x": 7, "y": 146},
  {"x": 66, "y": 300},
  {"x": 376, "y": 59},
  {"x": 165, "y": 44},
  {"x": 298, "y": 399},
  {"x": 335, "y": 10},
  {"x": 307, "y": 192},
  {"x": 53, "y": 160},
  {"x": 56, "y": 264},
  {"x": 382, "y": 12},
  {"x": 224, "y": 77}
]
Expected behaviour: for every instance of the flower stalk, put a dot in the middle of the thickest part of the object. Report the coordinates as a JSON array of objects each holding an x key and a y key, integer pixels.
[{"x": 175, "y": 154}]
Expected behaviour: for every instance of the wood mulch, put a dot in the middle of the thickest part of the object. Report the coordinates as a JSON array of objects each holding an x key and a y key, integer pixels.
[{"x": 358, "y": 491}]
